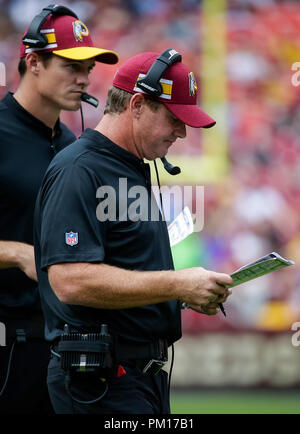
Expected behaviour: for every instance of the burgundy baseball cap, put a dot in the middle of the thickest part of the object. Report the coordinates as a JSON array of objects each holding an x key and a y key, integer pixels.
[
  {"x": 70, "y": 38},
  {"x": 178, "y": 84}
]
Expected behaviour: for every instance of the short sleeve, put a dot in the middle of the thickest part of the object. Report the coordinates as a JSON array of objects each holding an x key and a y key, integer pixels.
[{"x": 69, "y": 229}]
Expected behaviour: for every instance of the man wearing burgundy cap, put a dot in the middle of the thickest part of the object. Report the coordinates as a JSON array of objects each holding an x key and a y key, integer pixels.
[
  {"x": 56, "y": 57},
  {"x": 104, "y": 270}
]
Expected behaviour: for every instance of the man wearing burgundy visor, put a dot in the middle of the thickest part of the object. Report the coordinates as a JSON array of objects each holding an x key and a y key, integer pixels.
[
  {"x": 109, "y": 292},
  {"x": 56, "y": 57}
]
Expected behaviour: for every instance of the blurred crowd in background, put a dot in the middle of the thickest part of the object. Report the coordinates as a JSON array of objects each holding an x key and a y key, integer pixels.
[{"x": 254, "y": 209}]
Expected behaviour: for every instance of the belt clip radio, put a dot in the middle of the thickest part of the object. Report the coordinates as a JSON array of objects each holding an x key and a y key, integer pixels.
[{"x": 89, "y": 353}]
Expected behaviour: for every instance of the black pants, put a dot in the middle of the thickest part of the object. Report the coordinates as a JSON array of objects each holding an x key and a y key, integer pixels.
[
  {"x": 133, "y": 393},
  {"x": 26, "y": 388}
]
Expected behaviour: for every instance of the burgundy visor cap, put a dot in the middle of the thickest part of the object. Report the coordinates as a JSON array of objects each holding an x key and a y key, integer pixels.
[{"x": 179, "y": 88}]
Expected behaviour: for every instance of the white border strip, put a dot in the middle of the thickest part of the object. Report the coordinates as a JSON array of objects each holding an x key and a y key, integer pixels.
[
  {"x": 47, "y": 31},
  {"x": 162, "y": 80},
  {"x": 30, "y": 50}
]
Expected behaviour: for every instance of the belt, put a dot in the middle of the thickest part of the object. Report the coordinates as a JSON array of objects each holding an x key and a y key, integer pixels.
[
  {"x": 128, "y": 350},
  {"x": 125, "y": 350},
  {"x": 149, "y": 357}
]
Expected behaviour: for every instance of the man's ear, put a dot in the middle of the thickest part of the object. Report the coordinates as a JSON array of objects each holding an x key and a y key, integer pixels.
[
  {"x": 33, "y": 63},
  {"x": 136, "y": 104}
]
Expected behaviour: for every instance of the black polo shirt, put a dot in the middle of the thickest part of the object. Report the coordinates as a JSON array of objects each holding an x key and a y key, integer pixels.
[
  {"x": 26, "y": 149},
  {"x": 68, "y": 228}
]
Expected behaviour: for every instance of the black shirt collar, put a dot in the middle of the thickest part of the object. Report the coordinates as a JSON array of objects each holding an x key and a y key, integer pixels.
[
  {"x": 99, "y": 140},
  {"x": 28, "y": 118}
]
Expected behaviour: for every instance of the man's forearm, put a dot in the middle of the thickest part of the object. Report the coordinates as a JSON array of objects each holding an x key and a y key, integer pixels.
[
  {"x": 108, "y": 287},
  {"x": 9, "y": 254},
  {"x": 16, "y": 254}
]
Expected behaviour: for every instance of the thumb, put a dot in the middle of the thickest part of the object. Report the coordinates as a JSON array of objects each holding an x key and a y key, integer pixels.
[{"x": 224, "y": 279}]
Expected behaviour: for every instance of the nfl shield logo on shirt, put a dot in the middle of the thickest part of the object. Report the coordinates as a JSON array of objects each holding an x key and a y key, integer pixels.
[{"x": 71, "y": 238}]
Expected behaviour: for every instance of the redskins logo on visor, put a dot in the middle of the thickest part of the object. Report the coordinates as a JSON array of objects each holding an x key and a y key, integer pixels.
[{"x": 80, "y": 30}]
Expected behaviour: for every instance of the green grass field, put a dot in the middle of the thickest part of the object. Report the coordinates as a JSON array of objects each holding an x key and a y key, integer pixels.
[{"x": 235, "y": 402}]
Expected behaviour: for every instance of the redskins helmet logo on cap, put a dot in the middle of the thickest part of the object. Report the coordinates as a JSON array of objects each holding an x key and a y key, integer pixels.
[
  {"x": 80, "y": 30},
  {"x": 192, "y": 84}
]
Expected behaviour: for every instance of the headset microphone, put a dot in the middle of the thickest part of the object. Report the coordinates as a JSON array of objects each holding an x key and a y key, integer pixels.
[
  {"x": 89, "y": 99},
  {"x": 86, "y": 97},
  {"x": 172, "y": 170}
]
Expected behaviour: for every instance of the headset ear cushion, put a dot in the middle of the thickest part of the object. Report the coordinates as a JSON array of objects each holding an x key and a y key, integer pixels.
[
  {"x": 34, "y": 38},
  {"x": 150, "y": 83}
]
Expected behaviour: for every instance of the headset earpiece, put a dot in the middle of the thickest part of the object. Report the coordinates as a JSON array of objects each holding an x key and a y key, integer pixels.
[
  {"x": 150, "y": 83},
  {"x": 34, "y": 38}
]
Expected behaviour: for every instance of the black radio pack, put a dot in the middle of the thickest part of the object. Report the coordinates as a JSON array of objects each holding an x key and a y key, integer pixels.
[{"x": 86, "y": 352}]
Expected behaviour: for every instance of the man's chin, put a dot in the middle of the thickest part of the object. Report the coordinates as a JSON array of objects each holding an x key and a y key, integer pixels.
[
  {"x": 163, "y": 154},
  {"x": 154, "y": 157},
  {"x": 72, "y": 106}
]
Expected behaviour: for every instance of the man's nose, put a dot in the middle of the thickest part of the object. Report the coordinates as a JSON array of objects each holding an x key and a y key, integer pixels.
[
  {"x": 83, "y": 79},
  {"x": 181, "y": 130}
]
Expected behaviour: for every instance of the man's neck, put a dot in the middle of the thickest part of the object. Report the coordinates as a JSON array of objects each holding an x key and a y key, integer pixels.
[
  {"x": 118, "y": 129},
  {"x": 33, "y": 103}
]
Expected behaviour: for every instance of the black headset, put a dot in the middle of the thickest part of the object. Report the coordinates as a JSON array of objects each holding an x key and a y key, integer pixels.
[
  {"x": 35, "y": 39},
  {"x": 150, "y": 84}
]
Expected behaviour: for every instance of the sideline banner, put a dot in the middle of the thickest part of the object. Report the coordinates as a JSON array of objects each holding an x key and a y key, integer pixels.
[{"x": 238, "y": 359}]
